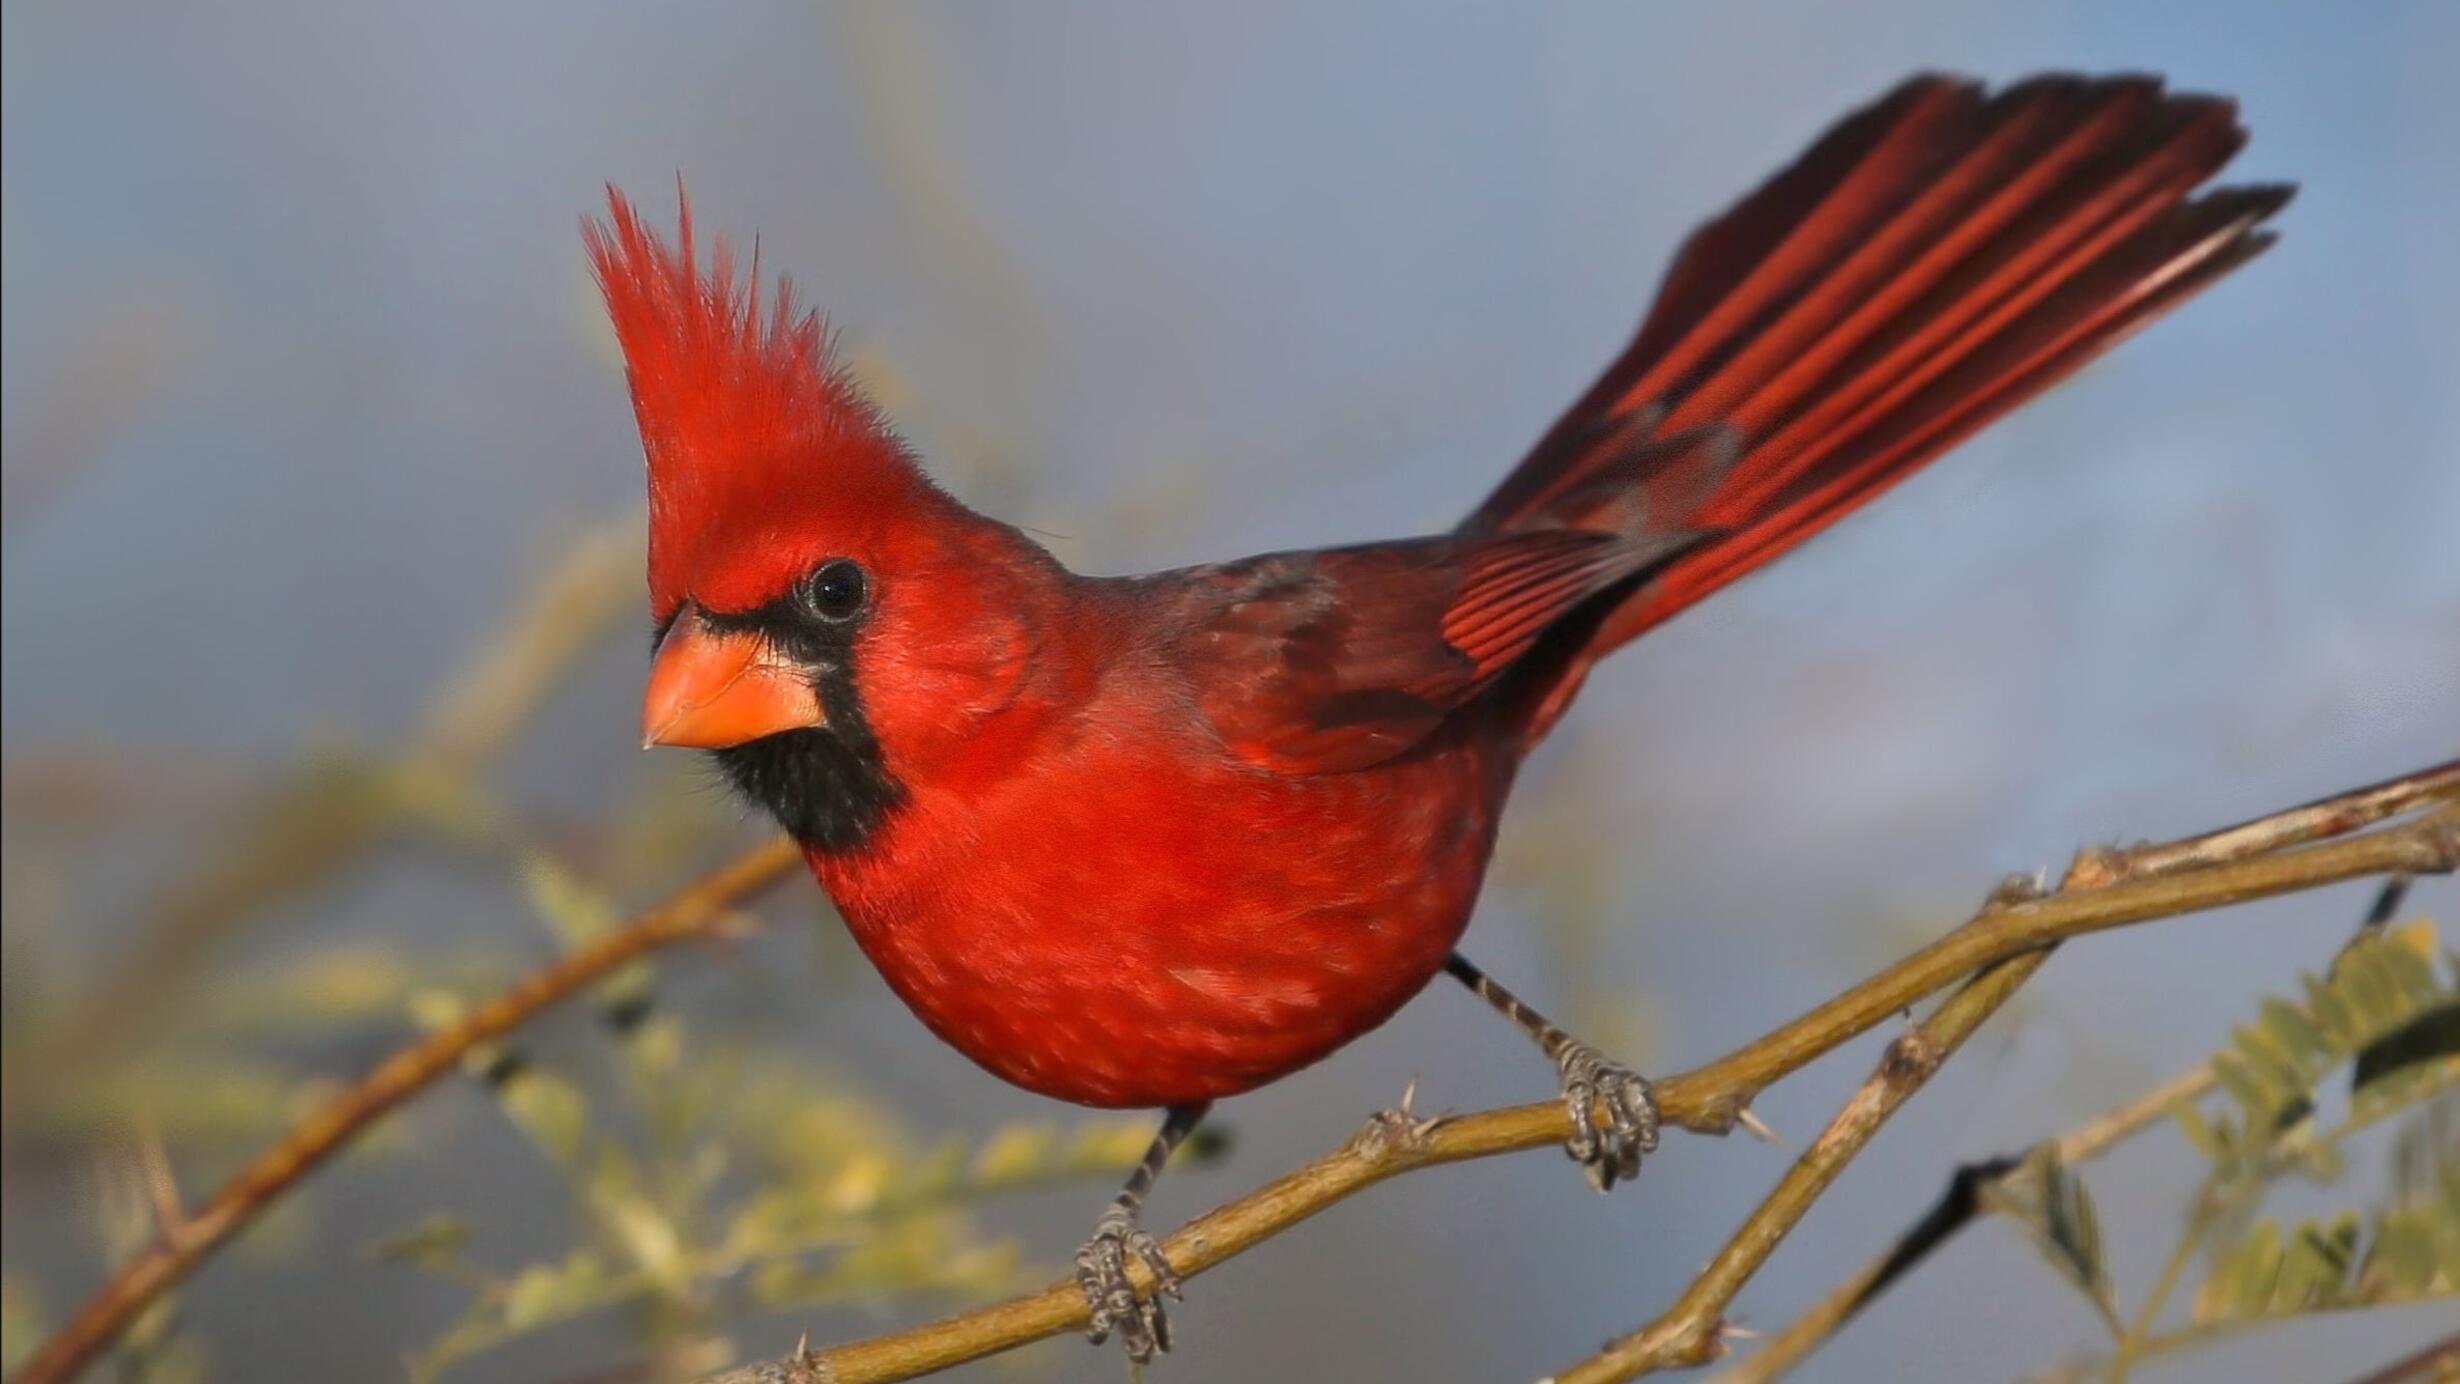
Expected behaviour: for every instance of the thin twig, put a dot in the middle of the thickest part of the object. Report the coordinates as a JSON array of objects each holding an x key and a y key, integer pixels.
[
  {"x": 1708, "y": 1099},
  {"x": 701, "y": 910},
  {"x": 2116, "y": 1125},
  {"x": 2201, "y": 1221},
  {"x": 2442, "y": 1357},
  {"x": 2200, "y": 1334},
  {"x": 1988, "y": 937},
  {"x": 1690, "y": 1332},
  {"x": 1961, "y": 1203}
]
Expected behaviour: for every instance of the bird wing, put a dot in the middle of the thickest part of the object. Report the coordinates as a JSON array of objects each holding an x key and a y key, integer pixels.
[{"x": 1319, "y": 662}]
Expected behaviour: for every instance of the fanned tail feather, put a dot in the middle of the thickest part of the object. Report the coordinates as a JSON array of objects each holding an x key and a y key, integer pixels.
[{"x": 1934, "y": 261}]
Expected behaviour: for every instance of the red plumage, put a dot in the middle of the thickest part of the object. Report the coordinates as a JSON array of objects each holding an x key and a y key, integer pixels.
[
  {"x": 753, "y": 434},
  {"x": 1155, "y": 840}
]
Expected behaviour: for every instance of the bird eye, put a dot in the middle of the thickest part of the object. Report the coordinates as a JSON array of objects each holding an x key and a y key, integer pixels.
[{"x": 838, "y": 590}]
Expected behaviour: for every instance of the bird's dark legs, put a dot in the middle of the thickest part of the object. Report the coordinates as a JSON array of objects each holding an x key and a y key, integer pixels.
[
  {"x": 1606, "y": 1154},
  {"x": 1101, "y": 1266}
]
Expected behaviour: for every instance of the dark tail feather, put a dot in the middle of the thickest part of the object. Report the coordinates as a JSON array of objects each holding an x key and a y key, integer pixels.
[{"x": 1931, "y": 263}]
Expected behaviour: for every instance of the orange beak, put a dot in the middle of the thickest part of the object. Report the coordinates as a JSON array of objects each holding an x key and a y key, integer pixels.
[{"x": 710, "y": 689}]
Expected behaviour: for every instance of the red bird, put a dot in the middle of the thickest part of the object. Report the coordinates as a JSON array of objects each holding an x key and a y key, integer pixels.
[{"x": 1152, "y": 841}]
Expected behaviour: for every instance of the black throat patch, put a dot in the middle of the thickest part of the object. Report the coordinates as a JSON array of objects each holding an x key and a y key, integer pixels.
[{"x": 830, "y": 788}]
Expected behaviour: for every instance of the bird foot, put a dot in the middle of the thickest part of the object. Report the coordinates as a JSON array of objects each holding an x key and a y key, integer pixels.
[
  {"x": 1609, "y": 1153},
  {"x": 1101, "y": 1271}
]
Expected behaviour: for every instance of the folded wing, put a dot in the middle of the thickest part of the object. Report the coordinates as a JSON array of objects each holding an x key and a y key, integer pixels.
[{"x": 1325, "y": 661}]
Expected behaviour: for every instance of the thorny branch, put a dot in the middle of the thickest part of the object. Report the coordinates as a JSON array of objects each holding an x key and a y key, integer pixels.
[
  {"x": 2242, "y": 863},
  {"x": 2442, "y": 1356},
  {"x": 1998, "y": 949},
  {"x": 702, "y": 910},
  {"x": 1963, "y": 1201}
]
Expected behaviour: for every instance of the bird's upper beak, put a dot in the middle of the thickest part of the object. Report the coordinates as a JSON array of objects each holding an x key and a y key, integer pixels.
[{"x": 711, "y": 688}]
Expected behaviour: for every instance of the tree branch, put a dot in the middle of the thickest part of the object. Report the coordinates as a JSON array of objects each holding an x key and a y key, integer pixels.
[
  {"x": 1962, "y": 1202},
  {"x": 2211, "y": 871},
  {"x": 700, "y": 910},
  {"x": 2005, "y": 942},
  {"x": 1689, "y": 1332},
  {"x": 2442, "y": 1355}
]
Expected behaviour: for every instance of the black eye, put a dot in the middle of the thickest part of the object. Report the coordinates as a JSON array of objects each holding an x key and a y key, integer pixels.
[{"x": 838, "y": 591}]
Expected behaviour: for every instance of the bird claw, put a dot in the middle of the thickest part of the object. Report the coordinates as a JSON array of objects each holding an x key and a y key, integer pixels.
[
  {"x": 1611, "y": 1153},
  {"x": 1101, "y": 1271}
]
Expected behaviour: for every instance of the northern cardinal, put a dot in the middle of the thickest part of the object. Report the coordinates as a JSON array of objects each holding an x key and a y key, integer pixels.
[{"x": 1152, "y": 841}]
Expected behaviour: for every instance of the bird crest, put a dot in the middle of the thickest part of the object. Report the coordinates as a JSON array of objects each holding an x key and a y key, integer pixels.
[{"x": 756, "y": 438}]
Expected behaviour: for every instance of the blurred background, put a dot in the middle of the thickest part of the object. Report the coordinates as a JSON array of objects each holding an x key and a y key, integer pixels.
[{"x": 324, "y": 633}]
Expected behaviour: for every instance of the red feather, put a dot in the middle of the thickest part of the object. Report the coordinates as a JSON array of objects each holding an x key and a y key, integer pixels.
[
  {"x": 749, "y": 427},
  {"x": 1159, "y": 839},
  {"x": 1315, "y": 663},
  {"x": 1933, "y": 262}
]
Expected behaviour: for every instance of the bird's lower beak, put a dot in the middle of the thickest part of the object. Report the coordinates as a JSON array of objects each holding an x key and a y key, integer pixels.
[{"x": 711, "y": 688}]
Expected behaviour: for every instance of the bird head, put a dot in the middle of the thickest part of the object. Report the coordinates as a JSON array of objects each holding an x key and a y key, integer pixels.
[{"x": 821, "y": 607}]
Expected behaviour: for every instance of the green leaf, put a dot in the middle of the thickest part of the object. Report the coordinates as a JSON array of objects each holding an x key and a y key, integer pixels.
[
  {"x": 544, "y": 1293},
  {"x": 2214, "y": 1140},
  {"x": 551, "y": 1110},
  {"x": 2402, "y": 1260},
  {"x": 22, "y": 1323},
  {"x": 2295, "y": 1032},
  {"x": 2243, "y": 1084},
  {"x": 2384, "y": 1005},
  {"x": 1016, "y": 1152},
  {"x": 434, "y": 1244},
  {"x": 434, "y": 1009},
  {"x": 577, "y": 913},
  {"x": 2056, "y": 1210},
  {"x": 2240, "y": 1281},
  {"x": 653, "y": 1242},
  {"x": 2405, "y": 1250}
]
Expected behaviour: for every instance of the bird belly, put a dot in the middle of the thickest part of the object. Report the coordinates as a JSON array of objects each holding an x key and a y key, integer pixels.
[{"x": 1122, "y": 950}]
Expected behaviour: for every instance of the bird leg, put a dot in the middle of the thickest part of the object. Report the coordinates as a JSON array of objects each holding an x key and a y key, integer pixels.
[
  {"x": 1607, "y": 1154},
  {"x": 1101, "y": 1266}
]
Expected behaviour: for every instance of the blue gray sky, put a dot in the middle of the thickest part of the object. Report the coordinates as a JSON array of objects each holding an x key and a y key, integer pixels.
[{"x": 302, "y": 375}]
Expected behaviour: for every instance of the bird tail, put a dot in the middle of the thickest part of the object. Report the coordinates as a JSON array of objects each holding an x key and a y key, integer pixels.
[{"x": 1935, "y": 260}]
